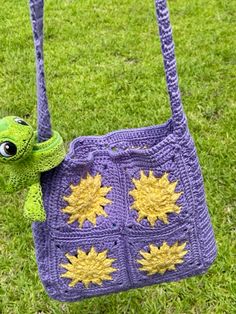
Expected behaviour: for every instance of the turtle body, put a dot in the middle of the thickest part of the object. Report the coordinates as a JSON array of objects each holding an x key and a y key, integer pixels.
[{"x": 25, "y": 159}]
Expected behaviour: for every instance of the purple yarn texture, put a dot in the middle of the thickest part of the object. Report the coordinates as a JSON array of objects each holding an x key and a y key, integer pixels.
[
  {"x": 119, "y": 157},
  {"x": 44, "y": 124}
]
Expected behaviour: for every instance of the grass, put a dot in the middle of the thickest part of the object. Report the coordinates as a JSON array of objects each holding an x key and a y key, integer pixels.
[{"x": 104, "y": 72}]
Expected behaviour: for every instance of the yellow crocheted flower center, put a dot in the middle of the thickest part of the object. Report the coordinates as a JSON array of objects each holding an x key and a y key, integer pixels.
[
  {"x": 154, "y": 197},
  {"x": 91, "y": 267},
  {"x": 87, "y": 200},
  {"x": 159, "y": 260}
]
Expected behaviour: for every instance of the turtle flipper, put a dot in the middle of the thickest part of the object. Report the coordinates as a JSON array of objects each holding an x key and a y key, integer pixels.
[{"x": 34, "y": 209}]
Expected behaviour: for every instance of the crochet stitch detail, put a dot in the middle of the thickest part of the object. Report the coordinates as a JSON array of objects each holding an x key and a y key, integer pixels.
[
  {"x": 154, "y": 197},
  {"x": 87, "y": 200},
  {"x": 91, "y": 267},
  {"x": 34, "y": 209},
  {"x": 161, "y": 259}
]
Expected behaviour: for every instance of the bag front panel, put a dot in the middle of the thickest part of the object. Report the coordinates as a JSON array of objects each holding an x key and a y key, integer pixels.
[{"x": 123, "y": 218}]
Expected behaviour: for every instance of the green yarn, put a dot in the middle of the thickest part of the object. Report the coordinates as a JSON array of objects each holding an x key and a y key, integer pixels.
[
  {"x": 33, "y": 209},
  {"x": 24, "y": 159}
]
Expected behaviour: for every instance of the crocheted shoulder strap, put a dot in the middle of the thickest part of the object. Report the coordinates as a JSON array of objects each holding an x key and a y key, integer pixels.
[
  {"x": 44, "y": 120},
  {"x": 167, "y": 44}
]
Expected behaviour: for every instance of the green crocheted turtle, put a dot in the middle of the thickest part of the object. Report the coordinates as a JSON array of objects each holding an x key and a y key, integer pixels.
[{"x": 25, "y": 159}]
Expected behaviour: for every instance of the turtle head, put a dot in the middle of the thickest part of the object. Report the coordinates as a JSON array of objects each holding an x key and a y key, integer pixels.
[{"x": 17, "y": 138}]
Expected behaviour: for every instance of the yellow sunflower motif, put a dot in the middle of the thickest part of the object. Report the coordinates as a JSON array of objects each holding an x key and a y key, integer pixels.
[
  {"x": 154, "y": 197},
  {"x": 161, "y": 259},
  {"x": 91, "y": 267},
  {"x": 87, "y": 200}
]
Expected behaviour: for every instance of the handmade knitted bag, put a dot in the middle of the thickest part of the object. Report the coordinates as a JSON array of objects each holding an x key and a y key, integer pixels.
[{"x": 126, "y": 209}]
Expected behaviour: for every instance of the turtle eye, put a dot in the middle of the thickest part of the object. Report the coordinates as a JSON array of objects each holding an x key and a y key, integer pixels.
[
  {"x": 8, "y": 149},
  {"x": 20, "y": 121}
]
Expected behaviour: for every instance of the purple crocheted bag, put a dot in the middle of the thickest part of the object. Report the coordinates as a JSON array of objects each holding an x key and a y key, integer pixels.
[{"x": 126, "y": 209}]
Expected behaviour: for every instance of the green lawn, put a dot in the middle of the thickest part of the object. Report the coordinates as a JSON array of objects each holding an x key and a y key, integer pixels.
[{"x": 105, "y": 72}]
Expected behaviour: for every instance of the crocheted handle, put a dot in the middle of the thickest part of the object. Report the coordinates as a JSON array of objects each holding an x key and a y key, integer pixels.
[
  {"x": 168, "y": 53},
  {"x": 44, "y": 121},
  {"x": 167, "y": 44}
]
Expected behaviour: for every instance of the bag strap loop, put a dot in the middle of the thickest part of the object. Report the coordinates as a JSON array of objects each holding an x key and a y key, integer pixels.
[
  {"x": 44, "y": 120},
  {"x": 167, "y": 45},
  {"x": 168, "y": 53}
]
